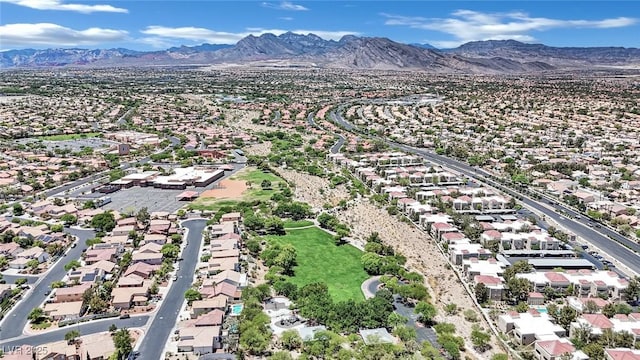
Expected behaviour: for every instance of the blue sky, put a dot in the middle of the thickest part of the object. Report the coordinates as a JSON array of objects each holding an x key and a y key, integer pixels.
[{"x": 153, "y": 24}]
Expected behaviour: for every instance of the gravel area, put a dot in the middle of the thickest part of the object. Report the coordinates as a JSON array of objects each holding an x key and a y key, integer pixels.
[
  {"x": 423, "y": 256},
  {"x": 314, "y": 190}
]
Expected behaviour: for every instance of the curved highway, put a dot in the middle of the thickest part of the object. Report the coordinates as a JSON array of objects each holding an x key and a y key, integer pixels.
[
  {"x": 620, "y": 248},
  {"x": 341, "y": 140}
]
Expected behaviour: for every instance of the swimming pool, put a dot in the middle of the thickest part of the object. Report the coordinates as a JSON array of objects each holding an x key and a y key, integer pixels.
[
  {"x": 541, "y": 309},
  {"x": 236, "y": 309}
]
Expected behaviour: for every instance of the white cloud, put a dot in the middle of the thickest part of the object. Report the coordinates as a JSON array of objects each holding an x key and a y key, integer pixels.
[
  {"x": 197, "y": 34},
  {"x": 286, "y": 18},
  {"x": 469, "y": 25},
  {"x": 22, "y": 35},
  {"x": 285, "y": 5},
  {"x": 58, "y": 5}
]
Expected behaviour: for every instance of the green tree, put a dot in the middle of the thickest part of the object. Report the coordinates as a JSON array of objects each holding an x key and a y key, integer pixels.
[
  {"x": 566, "y": 315},
  {"x": 254, "y": 246},
  {"x": 431, "y": 353},
  {"x": 632, "y": 293},
  {"x": 72, "y": 265},
  {"x": 253, "y": 222},
  {"x": 72, "y": 335},
  {"x": 581, "y": 335},
  {"x": 265, "y": 184},
  {"x": 192, "y": 295},
  {"x": 281, "y": 355},
  {"x": 122, "y": 341},
  {"x": 69, "y": 219},
  {"x": 104, "y": 221},
  {"x": 482, "y": 293},
  {"x": 480, "y": 338},
  {"x": 595, "y": 351},
  {"x": 426, "y": 311},
  {"x": 394, "y": 319},
  {"x": 291, "y": 340},
  {"x": 405, "y": 333},
  {"x": 518, "y": 289},
  {"x": 143, "y": 216},
  {"x": 18, "y": 210},
  {"x": 36, "y": 315},
  {"x": 500, "y": 357},
  {"x": 125, "y": 260},
  {"x": 274, "y": 226},
  {"x": 254, "y": 340},
  {"x": 170, "y": 251},
  {"x": 519, "y": 267},
  {"x": 33, "y": 264},
  {"x": 286, "y": 258}
]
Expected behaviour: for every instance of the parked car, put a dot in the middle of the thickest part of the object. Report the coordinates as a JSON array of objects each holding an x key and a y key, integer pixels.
[{"x": 125, "y": 316}]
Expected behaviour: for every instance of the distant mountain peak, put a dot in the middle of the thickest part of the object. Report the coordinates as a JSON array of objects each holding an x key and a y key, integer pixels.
[{"x": 493, "y": 56}]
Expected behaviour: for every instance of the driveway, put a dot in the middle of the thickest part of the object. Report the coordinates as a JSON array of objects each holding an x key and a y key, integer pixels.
[{"x": 423, "y": 333}]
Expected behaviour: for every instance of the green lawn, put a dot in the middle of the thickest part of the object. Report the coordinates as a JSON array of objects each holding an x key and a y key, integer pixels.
[
  {"x": 255, "y": 176},
  {"x": 292, "y": 224},
  {"x": 64, "y": 137},
  {"x": 319, "y": 259},
  {"x": 211, "y": 204}
]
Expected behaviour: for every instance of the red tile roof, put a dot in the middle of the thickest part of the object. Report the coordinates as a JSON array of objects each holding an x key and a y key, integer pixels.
[
  {"x": 598, "y": 321},
  {"x": 556, "y": 347},
  {"x": 555, "y": 277}
]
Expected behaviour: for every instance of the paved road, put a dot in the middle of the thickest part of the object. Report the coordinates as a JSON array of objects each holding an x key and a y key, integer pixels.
[
  {"x": 615, "y": 249},
  {"x": 422, "y": 333},
  {"x": 61, "y": 189},
  {"x": 11, "y": 279},
  {"x": 84, "y": 329},
  {"x": 159, "y": 331},
  {"x": 577, "y": 226},
  {"x": 15, "y": 320},
  {"x": 341, "y": 140}
]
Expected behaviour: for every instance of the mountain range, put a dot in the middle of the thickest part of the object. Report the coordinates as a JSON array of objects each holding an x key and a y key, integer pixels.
[{"x": 351, "y": 52}]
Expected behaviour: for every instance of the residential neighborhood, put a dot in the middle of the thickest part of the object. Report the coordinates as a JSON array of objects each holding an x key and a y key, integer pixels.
[{"x": 226, "y": 213}]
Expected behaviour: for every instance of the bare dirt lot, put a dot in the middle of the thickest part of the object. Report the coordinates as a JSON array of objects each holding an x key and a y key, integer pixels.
[{"x": 228, "y": 189}]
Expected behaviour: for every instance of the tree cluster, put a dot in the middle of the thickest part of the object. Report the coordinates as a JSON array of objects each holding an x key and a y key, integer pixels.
[
  {"x": 315, "y": 303},
  {"x": 293, "y": 210},
  {"x": 282, "y": 256}
]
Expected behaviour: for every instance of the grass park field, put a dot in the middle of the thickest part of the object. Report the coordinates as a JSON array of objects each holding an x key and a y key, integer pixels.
[
  {"x": 320, "y": 259},
  {"x": 294, "y": 224}
]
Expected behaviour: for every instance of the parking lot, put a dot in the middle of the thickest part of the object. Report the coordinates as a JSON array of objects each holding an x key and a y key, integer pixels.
[
  {"x": 72, "y": 145},
  {"x": 154, "y": 199}
]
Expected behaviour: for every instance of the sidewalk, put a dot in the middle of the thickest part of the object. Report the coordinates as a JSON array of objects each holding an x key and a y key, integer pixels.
[
  {"x": 365, "y": 287},
  {"x": 171, "y": 346}
]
